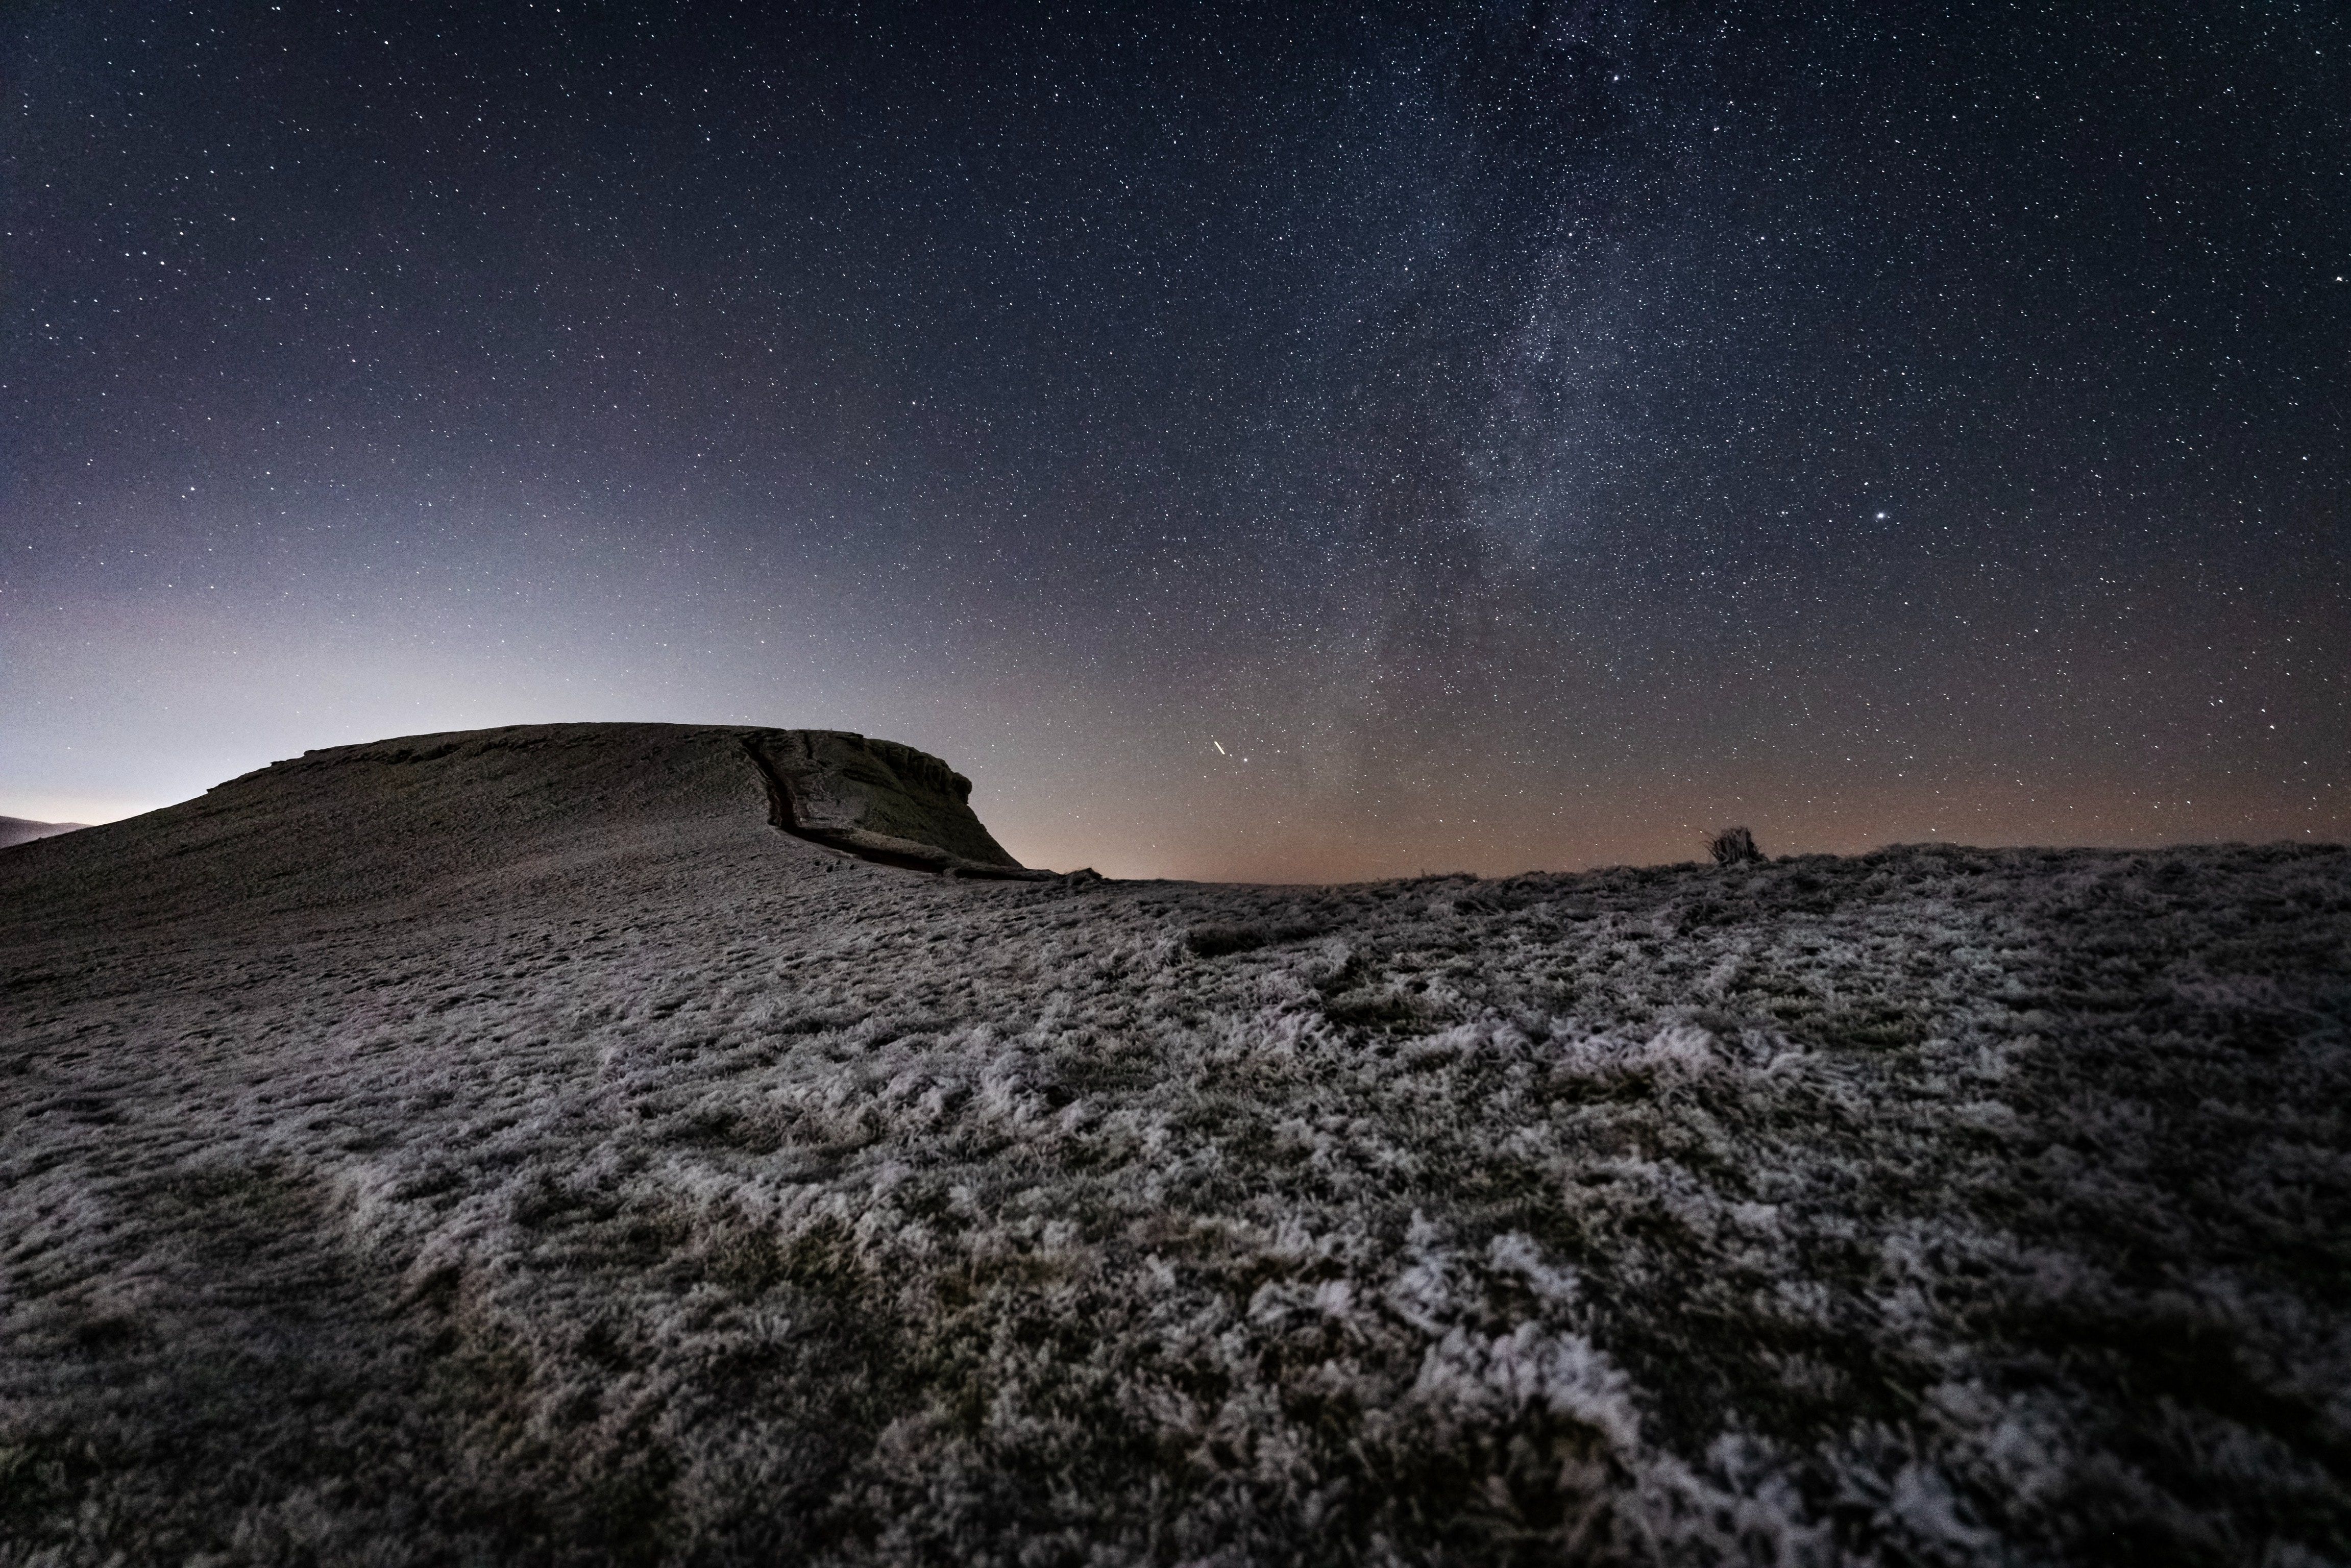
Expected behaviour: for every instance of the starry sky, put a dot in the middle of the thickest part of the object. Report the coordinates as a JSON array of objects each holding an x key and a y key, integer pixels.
[{"x": 1251, "y": 442}]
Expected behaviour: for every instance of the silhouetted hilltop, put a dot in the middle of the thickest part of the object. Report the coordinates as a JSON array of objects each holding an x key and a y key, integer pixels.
[
  {"x": 463, "y": 815},
  {"x": 23, "y": 830}
]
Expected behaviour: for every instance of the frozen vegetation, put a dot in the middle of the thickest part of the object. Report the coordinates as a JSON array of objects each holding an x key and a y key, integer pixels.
[{"x": 514, "y": 1149}]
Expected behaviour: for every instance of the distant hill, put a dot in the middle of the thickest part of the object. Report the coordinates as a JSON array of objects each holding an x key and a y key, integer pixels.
[
  {"x": 23, "y": 830},
  {"x": 615, "y": 1144},
  {"x": 428, "y": 815}
]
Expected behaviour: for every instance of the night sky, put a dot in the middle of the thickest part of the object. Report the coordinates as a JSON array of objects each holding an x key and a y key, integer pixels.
[{"x": 1261, "y": 443}]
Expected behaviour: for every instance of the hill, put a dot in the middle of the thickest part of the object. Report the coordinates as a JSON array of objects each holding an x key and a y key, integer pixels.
[
  {"x": 556, "y": 1146},
  {"x": 16, "y": 831}
]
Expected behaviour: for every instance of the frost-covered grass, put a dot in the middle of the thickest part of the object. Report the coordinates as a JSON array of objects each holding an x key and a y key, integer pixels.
[{"x": 660, "y": 1189}]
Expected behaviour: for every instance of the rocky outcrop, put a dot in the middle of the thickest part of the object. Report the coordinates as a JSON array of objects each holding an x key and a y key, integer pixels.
[{"x": 876, "y": 800}]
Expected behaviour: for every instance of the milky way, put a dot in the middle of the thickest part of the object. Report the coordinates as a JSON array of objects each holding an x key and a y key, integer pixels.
[{"x": 1248, "y": 444}]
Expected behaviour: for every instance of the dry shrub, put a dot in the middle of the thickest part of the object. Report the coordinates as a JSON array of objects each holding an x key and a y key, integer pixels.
[{"x": 1734, "y": 846}]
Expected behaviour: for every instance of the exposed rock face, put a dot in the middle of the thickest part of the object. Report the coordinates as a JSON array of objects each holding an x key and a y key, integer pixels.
[
  {"x": 23, "y": 830},
  {"x": 877, "y": 800}
]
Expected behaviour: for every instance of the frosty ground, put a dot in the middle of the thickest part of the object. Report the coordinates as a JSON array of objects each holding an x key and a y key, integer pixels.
[{"x": 523, "y": 1152}]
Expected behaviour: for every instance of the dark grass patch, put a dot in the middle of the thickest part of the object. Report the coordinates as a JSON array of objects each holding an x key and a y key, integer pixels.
[{"x": 1219, "y": 938}]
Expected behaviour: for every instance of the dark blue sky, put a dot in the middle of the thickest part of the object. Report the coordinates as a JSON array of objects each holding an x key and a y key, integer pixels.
[{"x": 1514, "y": 436}]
